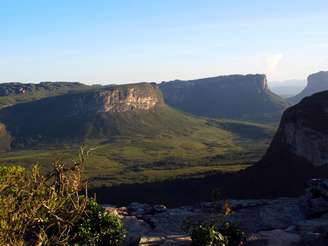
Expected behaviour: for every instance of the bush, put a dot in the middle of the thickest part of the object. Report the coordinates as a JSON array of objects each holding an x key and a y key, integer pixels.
[
  {"x": 43, "y": 210},
  {"x": 205, "y": 234},
  {"x": 99, "y": 227}
]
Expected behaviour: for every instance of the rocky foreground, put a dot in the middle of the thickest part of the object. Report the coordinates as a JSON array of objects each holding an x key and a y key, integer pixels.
[{"x": 283, "y": 221}]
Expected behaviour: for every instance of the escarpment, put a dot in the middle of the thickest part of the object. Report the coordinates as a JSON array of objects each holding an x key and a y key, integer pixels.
[
  {"x": 99, "y": 113},
  {"x": 233, "y": 96}
]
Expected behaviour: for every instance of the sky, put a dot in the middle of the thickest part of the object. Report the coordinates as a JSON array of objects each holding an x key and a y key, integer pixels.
[{"x": 122, "y": 41}]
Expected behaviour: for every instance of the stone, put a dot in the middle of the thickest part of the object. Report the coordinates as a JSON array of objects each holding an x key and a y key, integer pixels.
[
  {"x": 279, "y": 238},
  {"x": 277, "y": 214},
  {"x": 318, "y": 188},
  {"x": 159, "y": 208},
  {"x": 317, "y": 207},
  {"x": 136, "y": 229},
  {"x": 165, "y": 240}
]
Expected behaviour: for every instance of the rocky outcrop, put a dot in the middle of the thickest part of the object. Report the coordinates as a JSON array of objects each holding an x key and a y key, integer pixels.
[
  {"x": 317, "y": 82},
  {"x": 233, "y": 96},
  {"x": 298, "y": 151},
  {"x": 283, "y": 221},
  {"x": 303, "y": 130},
  {"x": 117, "y": 99}
]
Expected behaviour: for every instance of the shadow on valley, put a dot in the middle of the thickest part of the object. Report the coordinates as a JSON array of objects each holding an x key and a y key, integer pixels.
[{"x": 260, "y": 181}]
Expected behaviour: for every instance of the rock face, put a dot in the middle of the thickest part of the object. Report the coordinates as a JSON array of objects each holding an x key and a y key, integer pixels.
[
  {"x": 233, "y": 96},
  {"x": 303, "y": 130},
  {"x": 99, "y": 113},
  {"x": 299, "y": 150},
  {"x": 278, "y": 222},
  {"x": 317, "y": 82},
  {"x": 117, "y": 99}
]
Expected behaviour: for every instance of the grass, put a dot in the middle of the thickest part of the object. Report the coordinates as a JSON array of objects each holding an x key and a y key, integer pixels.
[{"x": 206, "y": 146}]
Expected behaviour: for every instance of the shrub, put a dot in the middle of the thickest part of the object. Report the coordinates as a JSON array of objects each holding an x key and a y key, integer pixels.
[
  {"x": 43, "y": 210},
  {"x": 99, "y": 227},
  {"x": 207, "y": 234}
]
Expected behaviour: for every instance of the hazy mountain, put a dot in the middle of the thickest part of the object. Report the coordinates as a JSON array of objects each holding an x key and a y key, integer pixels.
[
  {"x": 288, "y": 88},
  {"x": 12, "y": 93},
  {"x": 316, "y": 82},
  {"x": 233, "y": 96}
]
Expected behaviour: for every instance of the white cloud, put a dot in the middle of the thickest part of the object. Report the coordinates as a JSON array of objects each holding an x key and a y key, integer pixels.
[{"x": 272, "y": 62}]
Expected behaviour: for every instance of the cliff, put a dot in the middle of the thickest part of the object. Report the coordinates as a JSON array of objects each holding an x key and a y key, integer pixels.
[
  {"x": 99, "y": 113},
  {"x": 135, "y": 97},
  {"x": 298, "y": 152},
  {"x": 317, "y": 82},
  {"x": 233, "y": 96}
]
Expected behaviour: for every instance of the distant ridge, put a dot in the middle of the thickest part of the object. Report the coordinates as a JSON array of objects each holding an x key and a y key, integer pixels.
[
  {"x": 15, "y": 92},
  {"x": 231, "y": 96}
]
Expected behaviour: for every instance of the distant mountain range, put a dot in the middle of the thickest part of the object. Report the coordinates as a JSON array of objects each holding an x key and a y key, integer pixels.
[
  {"x": 233, "y": 96},
  {"x": 71, "y": 110},
  {"x": 104, "y": 114}
]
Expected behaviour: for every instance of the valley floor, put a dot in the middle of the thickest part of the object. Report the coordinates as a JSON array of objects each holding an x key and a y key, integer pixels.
[{"x": 224, "y": 146}]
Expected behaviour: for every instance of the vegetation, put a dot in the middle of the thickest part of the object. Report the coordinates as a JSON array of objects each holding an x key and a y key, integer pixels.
[
  {"x": 131, "y": 146},
  {"x": 214, "y": 232},
  {"x": 41, "y": 209},
  {"x": 13, "y": 93},
  {"x": 211, "y": 234},
  {"x": 156, "y": 149}
]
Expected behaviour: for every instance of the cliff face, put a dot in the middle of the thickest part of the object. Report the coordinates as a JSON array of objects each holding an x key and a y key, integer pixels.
[
  {"x": 94, "y": 113},
  {"x": 317, "y": 82},
  {"x": 117, "y": 99},
  {"x": 298, "y": 152},
  {"x": 303, "y": 130},
  {"x": 233, "y": 96}
]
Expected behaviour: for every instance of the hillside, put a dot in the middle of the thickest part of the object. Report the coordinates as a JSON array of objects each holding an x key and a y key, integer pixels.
[
  {"x": 12, "y": 93},
  {"x": 316, "y": 82},
  {"x": 233, "y": 96},
  {"x": 136, "y": 137}
]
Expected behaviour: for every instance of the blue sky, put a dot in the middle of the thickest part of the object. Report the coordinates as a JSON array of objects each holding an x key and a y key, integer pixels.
[{"x": 123, "y": 41}]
